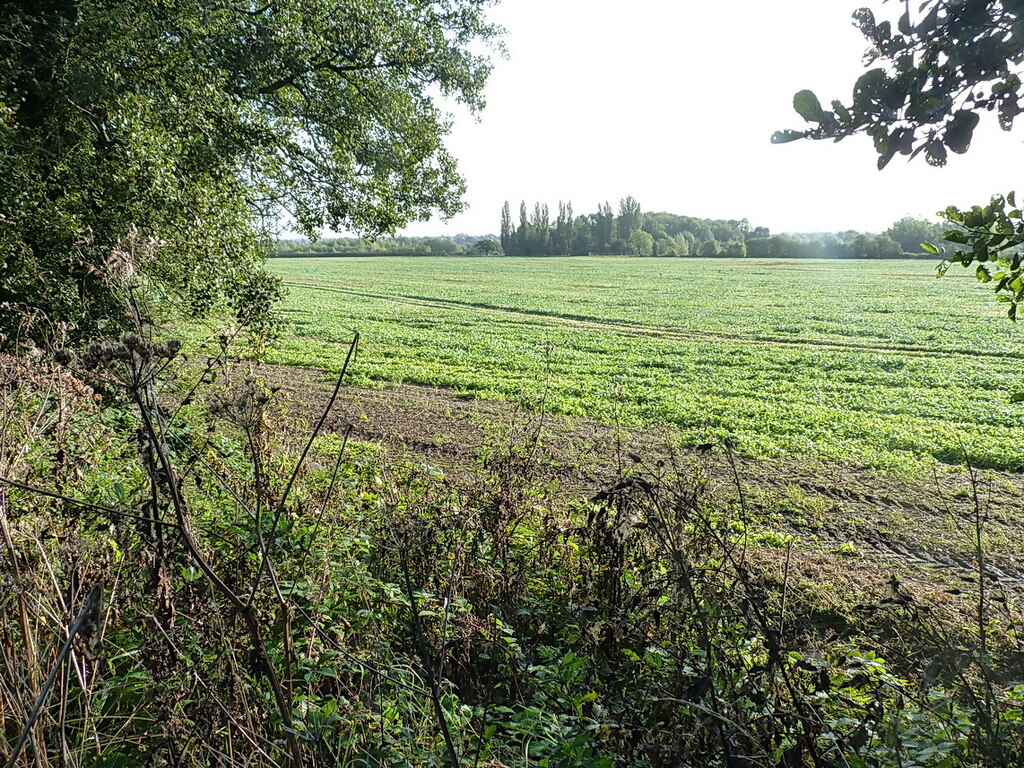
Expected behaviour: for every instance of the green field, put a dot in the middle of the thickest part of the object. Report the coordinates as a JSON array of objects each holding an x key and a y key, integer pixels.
[{"x": 875, "y": 363}]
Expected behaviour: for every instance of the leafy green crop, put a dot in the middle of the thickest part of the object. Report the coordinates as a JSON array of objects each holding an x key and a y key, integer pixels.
[{"x": 873, "y": 362}]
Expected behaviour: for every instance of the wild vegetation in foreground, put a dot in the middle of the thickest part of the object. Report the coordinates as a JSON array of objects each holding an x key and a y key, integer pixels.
[
  {"x": 875, "y": 363},
  {"x": 190, "y": 585}
]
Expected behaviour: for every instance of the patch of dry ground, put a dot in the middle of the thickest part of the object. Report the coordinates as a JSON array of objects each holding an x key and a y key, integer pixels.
[{"x": 848, "y": 524}]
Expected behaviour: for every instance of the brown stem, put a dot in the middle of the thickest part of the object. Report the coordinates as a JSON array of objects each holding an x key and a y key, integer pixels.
[
  {"x": 245, "y": 609},
  {"x": 83, "y": 615}
]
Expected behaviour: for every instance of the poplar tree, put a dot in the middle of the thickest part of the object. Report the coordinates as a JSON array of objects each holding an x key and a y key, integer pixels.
[{"x": 507, "y": 230}]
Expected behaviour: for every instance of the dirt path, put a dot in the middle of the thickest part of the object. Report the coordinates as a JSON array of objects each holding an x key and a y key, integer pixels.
[{"x": 848, "y": 523}]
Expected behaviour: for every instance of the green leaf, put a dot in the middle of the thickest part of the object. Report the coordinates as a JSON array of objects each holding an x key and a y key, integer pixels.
[
  {"x": 960, "y": 131},
  {"x": 868, "y": 87},
  {"x": 808, "y": 107},
  {"x": 784, "y": 137},
  {"x": 929, "y": 248},
  {"x": 903, "y": 25},
  {"x": 983, "y": 274},
  {"x": 935, "y": 153},
  {"x": 842, "y": 111},
  {"x": 1017, "y": 397}
]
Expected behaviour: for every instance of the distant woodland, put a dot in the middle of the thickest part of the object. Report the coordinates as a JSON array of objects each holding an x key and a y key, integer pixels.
[{"x": 628, "y": 230}]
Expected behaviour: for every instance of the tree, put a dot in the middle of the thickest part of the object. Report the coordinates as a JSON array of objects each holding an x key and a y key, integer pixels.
[
  {"x": 604, "y": 228},
  {"x": 759, "y": 247},
  {"x": 708, "y": 248},
  {"x": 562, "y": 237},
  {"x": 665, "y": 246},
  {"x": 195, "y": 126},
  {"x": 487, "y": 247},
  {"x": 943, "y": 64},
  {"x": 507, "y": 230},
  {"x": 641, "y": 243},
  {"x": 683, "y": 245},
  {"x": 522, "y": 238},
  {"x": 735, "y": 249},
  {"x": 886, "y": 247},
  {"x": 583, "y": 239},
  {"x": 911, "y": 232},
  {"x": 443, "y": 246},
  {"x": 540, "y": 230},
  {"x": 630, "y": 218}
]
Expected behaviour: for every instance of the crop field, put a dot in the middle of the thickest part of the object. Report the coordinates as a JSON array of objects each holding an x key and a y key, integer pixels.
[{"x": 878, "y": 364}]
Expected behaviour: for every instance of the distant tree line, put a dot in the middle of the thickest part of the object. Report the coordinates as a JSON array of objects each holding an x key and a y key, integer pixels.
[
  {"x": 902, "y": 239},
  {"x": 632, "y": 231},
  {"x": 458, "y": 245},
  {"x": 627, "y": 230}
]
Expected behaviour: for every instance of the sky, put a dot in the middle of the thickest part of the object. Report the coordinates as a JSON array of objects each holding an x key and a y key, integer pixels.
[{"x": 674, "y": 102}]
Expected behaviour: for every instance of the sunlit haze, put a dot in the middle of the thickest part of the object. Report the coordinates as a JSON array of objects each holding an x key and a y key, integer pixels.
[{"x": 674, "y": 103}]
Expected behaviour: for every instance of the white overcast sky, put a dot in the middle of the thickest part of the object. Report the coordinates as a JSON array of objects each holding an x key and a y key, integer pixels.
[{"x": 674, "y": 102}]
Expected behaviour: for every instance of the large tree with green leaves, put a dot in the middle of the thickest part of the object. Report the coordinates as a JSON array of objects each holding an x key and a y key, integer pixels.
[
  {"x": 935, "y": 68},
  {"x": 911, "y": 232},
  {"x": 630, "y": 219},
  {"x": 200, "y": 124}
]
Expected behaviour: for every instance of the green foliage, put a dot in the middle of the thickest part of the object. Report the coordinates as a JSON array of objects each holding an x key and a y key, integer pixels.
[
  {"x": 253, "y": 297},
  {"x": 989, "y": 238},
  {"x": 630, "y": 218},
  {"x": 195, "y": 124},
  {"x": 397, "y": 246},
  {"x": 605, "y": 233},
  {"x": 709, "y": 248},
  {"x": 809, "y": 358},
  {"x": 487, "y": 247},
  {"x": 943, "y": 65},
  {"x": 641, "y": 243},
  {"x": 630, "y": 629},
  {"x": 912, "y": 233}
]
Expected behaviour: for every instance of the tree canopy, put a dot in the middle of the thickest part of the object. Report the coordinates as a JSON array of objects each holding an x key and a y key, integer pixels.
[
  {"x": 604, "y": 232},
  {"x": 201, "y": 124},
  {"x": 943, "y": 63}
]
